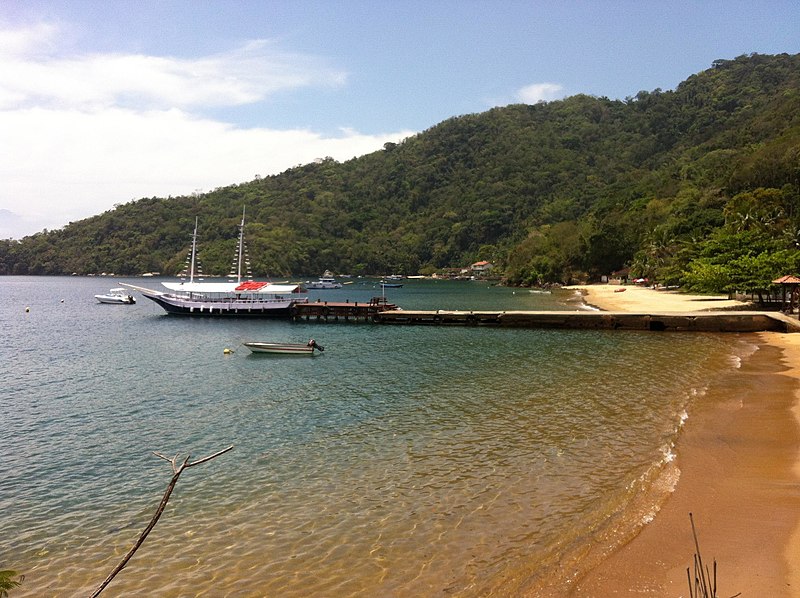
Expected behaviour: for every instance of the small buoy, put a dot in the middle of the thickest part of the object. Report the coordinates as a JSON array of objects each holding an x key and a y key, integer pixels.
[
  {"x": 227, "y": 351},
  {"x": 62, "y": 301},
  {"x": 27, "y": 309}
]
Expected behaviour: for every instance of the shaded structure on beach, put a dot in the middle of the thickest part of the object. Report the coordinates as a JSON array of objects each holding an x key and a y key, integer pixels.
[{"x": 790, "y": 293}]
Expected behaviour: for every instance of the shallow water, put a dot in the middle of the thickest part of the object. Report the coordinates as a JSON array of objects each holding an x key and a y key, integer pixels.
[{"x": 401, "y": 461}]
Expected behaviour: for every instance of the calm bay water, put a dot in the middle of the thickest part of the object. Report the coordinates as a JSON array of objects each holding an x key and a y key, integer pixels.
[{"x": 403, "y": 461}]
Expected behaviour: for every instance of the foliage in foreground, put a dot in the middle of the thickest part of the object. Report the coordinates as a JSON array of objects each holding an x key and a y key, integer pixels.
[{"x": 7, "y": 581}]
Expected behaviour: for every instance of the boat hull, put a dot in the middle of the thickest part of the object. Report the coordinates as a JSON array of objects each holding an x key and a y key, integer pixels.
[
  {"x": 280, "y": 348},
  {"x": 112, "y": 300},
  {"x": 239, "y": 308},
  {"x": 323, "y": 285}
]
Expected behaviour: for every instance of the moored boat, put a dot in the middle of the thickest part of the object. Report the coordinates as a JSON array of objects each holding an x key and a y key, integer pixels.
[
  {"x": 284, "y": 348},
  {"x": 255, "y": 299},
  {"x": 116, "y": 297},
  {"x": 326, "y": 281},
  {"x": 237, "y": 297}
]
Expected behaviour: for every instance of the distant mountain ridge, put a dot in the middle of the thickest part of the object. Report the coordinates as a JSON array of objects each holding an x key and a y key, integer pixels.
[{"x": 550, "y": 192}]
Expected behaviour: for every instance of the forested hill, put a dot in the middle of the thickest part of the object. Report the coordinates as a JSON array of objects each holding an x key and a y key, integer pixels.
[{"x": 675, "y": 184}]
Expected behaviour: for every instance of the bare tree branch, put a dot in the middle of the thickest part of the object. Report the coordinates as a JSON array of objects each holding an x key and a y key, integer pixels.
[
  {"x": 204, "y": 459},
  {"x": 176, "y": 474}
]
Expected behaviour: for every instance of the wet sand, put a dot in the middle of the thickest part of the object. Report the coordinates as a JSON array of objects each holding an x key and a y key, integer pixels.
[{"x": 739, "y": 457}]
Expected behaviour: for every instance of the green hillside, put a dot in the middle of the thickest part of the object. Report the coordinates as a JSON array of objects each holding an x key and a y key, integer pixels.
[{"x": 698, "y": 186}]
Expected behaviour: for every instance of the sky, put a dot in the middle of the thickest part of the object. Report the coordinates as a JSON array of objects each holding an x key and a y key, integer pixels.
[{"x": 103, "y": 102}]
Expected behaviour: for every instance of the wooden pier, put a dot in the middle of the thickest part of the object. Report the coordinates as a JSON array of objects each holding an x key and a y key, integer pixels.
[
  {"x": 720, "y": 321},
  {"x": 364, "y": 311}
]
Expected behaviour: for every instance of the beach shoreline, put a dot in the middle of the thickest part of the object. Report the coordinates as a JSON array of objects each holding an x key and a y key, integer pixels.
[{"x": 739, "y": 457}]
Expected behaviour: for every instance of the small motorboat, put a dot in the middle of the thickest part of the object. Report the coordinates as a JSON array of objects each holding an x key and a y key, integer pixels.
[
  {"x": 391, "y": 285},
  {"x": 116, "y": 297},
  {"x": 326, "y": 281},
  {"x": 284, "y": 348}
]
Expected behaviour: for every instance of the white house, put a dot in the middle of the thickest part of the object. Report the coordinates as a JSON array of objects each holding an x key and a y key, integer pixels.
[{"x": 481, "y": 268}]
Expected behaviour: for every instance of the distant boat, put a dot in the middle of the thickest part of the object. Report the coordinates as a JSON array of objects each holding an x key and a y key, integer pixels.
[
  {"x": 116, "y": 297},
  {"x": 284, "y": 348},
  {"x": 326, "y": 281},
  {"x": 237, "y": 297},
  {"x": 391, "y": 285}
]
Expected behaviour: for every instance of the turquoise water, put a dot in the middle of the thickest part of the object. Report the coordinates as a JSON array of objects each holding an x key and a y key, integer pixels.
[{"x": 402, "y": 461}]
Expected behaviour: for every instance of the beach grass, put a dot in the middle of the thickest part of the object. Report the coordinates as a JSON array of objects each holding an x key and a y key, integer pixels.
[{"x": 703, "y": 583}]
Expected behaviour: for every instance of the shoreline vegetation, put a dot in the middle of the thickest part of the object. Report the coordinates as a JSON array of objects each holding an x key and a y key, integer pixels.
[{"x": 739, "y": 457}]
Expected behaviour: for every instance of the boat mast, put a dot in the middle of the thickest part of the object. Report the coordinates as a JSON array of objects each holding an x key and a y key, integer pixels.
[
  {"x": 240, "y": 258},
  {"x": 194, "y": 251},
  {"x": 241, "y": 249}
]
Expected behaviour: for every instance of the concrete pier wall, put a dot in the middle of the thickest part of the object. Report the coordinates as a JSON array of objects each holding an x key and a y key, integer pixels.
[{"x": 734, "y": 321}]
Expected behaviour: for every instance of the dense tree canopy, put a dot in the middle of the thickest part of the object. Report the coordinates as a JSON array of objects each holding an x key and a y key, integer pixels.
[{"x": 697, "y": 186}]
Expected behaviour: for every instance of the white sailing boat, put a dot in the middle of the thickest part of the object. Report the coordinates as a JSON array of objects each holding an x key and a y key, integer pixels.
[{"x": 237, "y": 297}]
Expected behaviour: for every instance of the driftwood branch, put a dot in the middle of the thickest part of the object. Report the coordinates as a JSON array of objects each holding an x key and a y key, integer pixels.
[{"x": 177, "y": 471}]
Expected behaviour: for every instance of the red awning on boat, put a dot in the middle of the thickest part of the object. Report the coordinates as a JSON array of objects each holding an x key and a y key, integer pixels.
[{"x": 251, "y": 285}]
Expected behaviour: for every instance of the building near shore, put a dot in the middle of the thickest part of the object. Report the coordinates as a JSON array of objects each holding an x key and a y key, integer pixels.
[{"x": 481, "y": 269}]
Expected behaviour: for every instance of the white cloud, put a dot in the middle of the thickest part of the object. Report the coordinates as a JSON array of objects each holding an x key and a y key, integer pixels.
[
  {"x": 33, "y": 40},
  {"x": 84, "y": 132},
  {"x": 540, "y": 92},
  {"x": 31, "y": 73},
  {"x": 58, "y": 166}
]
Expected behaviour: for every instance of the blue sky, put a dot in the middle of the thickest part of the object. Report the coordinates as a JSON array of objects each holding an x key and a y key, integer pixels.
[{"x": 106, "y": 101}]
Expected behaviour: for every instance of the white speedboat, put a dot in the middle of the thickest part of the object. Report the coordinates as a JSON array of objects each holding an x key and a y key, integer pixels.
[
  {"x": 237, "y": 297},
  {"x": 116, "y": 297},
  {"x": 326, "y": 281},
  {"x": 284, "y": 348}
]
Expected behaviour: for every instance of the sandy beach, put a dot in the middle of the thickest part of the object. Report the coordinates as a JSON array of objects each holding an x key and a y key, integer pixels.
[
  {"x": 739, "y": 458},
  {"x": 635, "y": 299}
]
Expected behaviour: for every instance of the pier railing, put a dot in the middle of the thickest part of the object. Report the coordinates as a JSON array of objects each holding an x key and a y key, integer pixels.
[{"x": 347, "y": 311}]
